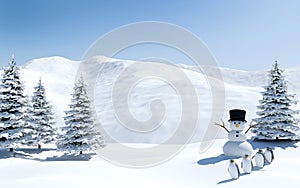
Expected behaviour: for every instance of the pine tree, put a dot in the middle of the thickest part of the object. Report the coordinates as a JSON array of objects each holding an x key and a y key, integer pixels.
[
  {"x": 40, "y": 118},
  {"x": 81, "y": 129},
  {"x": 276, "y": 121},
  {"x": 12, "y": 107},
  {"x": 29, "y": 140}
]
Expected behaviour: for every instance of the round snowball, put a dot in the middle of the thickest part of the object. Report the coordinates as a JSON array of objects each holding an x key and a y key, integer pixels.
[{"x": 237, "y": 149}]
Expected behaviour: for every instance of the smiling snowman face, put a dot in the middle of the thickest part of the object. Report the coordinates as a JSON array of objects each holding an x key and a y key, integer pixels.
[{"x": 237, "y": 125}]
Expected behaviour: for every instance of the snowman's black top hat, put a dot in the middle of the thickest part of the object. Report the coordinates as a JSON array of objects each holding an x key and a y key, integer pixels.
[{"x": 237, "y": 115}]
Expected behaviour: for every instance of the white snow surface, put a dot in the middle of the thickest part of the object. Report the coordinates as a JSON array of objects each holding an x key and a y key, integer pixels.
[
  {"x": 242, "y": 90},
  {"x": 188, "y": 169}
]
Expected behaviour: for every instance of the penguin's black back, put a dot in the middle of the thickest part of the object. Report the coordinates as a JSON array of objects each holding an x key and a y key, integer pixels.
[
  {"x": 272, "y": 154},
  {"x": 238, "y": 170}
]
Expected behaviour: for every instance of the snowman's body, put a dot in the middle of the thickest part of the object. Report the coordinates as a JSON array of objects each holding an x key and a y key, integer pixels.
[
  {"x": 237, "y": 145},
  {"x": 236, "y": 136},
  {"x": 237, "y": 149}
]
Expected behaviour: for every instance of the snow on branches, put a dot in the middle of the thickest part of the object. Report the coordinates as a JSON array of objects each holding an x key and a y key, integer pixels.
[
  {"x": 13, "y": 103},
  {"x": 276, "y": 121},
  {"x": 82, "y": 133},
  {"x": 40, "y": 118}
]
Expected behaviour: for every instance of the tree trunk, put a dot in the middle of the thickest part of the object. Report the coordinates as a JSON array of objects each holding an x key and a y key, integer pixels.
[
  {"x": 39, "y": 146},
  {"x": 11, "y": 149},
  {"x": 80, "y": 152}
]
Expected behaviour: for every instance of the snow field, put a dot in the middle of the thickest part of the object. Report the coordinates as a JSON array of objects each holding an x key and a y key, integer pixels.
[{"x": 188, "y": 169}]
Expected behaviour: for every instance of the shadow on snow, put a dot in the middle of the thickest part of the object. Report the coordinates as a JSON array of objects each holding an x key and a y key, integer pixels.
[
  {"x": 214, "y": 160},
  {"x": 69, "y": 157},
  {"x": 26, "y": 153},
  {"x": 283, "y": 144},
  {"x": 231, "y": 179},
  {"x": 255, "y": 168},
  {"x": 4, "y": 154}
]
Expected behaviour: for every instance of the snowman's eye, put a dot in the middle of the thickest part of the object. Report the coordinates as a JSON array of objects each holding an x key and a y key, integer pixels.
[
  {"x": 239, "y": 122},
  {"x": 233, "y": 122}
]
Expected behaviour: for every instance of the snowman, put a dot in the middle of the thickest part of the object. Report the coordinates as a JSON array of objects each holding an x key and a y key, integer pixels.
[{"x": 237, "y": 146}]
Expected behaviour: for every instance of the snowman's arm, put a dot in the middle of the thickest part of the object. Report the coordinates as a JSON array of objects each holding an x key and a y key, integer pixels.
[
  {"x": 222, "y": 125},
  {"x": 250, "y": 126}
]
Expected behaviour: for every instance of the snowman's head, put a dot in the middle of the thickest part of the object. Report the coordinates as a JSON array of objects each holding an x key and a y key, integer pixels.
[
  {"x": 237, "y": 125},
  {"x": 237, "y": 119}
]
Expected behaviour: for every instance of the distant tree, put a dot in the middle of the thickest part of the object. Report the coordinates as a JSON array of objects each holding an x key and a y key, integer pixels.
[
  {"x": 40, "y": 118},
  {"x": 276, "y": 121},
  {"x": 81, "y": 132},
  {"x": 12, "y": 107}
]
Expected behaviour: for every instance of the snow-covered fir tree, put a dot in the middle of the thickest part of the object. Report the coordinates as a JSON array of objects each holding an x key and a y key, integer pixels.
[
  {"x": 276, "y": 121},
  {"x": 12, "y": 107},
  {"x": 40, "y": 118},
  {"x": 81, "y": 133}
]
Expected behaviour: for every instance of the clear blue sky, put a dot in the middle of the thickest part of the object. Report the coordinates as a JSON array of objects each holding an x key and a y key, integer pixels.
[{"x": 241, "y": 34}]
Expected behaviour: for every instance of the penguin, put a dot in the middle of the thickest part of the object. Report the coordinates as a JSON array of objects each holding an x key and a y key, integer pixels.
[
  {"x": 247, "y": 164},
  {"x": 260, "y": 159},
  {"x": 269, "y": 155},
  {"x": 233, "y": 170}
]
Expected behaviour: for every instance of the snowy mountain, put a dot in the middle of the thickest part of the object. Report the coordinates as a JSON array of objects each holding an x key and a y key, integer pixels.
[{"x": 58, "y": 75}]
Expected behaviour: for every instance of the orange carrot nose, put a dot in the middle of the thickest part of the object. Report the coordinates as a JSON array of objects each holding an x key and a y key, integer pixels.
[{"x": 236, "y": 125}]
